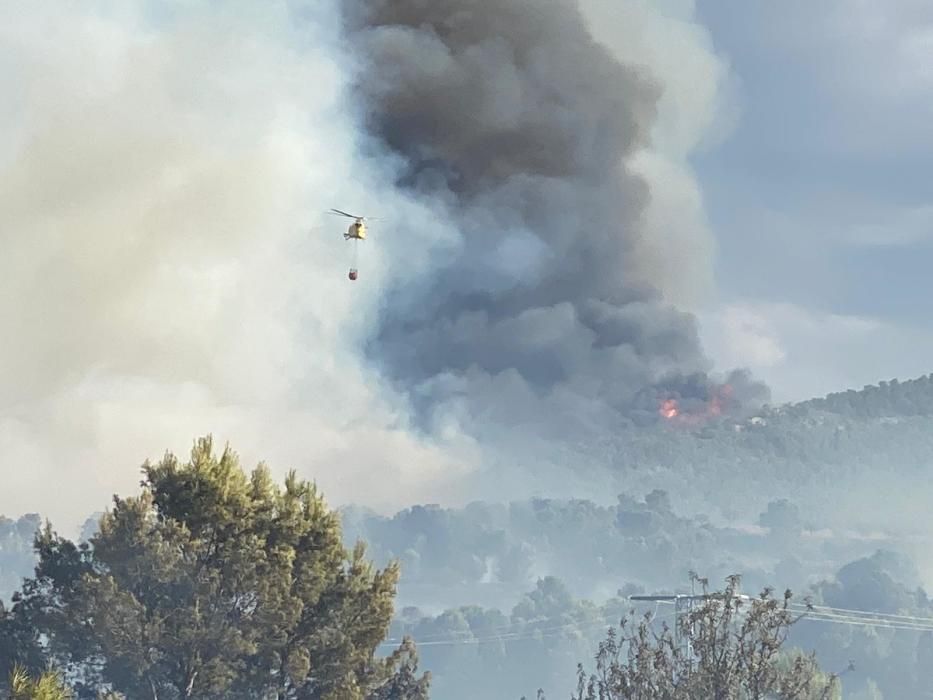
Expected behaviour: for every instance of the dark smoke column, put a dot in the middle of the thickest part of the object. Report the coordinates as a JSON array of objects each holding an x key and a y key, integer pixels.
[{"x": 509, "y": 116}]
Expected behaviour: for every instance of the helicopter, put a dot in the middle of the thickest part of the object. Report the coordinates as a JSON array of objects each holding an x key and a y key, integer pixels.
[
  {"x": 356, "y": 232},
  {"x": 357, "y": 228}
]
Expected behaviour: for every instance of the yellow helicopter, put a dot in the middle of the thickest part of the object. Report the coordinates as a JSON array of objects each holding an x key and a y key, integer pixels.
[
  {"x": 357, "y": 228},
  {"x": 357, "y": 232}
]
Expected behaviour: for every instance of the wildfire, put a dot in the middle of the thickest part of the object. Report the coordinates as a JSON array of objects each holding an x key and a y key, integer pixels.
[
  {"x": 714, "y": 406},
  {"x": 669, "y": 409},
  {"x": 723, "y": 395}
]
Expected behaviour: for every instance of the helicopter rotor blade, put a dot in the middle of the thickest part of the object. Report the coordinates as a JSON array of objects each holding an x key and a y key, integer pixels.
[{"x": 343, "y": 213}]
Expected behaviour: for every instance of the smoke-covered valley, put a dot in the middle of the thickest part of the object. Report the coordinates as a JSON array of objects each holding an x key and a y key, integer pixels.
[{"x": 501, "y": 591}]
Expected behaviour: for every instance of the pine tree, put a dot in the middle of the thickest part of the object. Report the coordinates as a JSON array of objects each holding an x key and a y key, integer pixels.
[
  {"x": 217, "y": 584},
  {"x": 48, "y": 686}
]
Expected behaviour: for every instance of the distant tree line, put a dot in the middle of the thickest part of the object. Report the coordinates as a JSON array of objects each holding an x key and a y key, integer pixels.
[
  {"x": 892, "y": 398},
  {"x": 491, "y": 652}
]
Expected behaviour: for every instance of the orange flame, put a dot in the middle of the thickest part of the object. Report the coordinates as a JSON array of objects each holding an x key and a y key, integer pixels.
[
  {"x": 669, "y": 409},
  {"x": 717, "y": 404}
]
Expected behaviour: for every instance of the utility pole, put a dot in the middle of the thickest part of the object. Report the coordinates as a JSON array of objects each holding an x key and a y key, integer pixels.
[{"x": 683, "y": 605}]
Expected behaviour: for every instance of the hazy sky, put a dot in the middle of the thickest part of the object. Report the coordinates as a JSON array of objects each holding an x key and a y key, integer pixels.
[
  {"x": 167, "y": 270},
  {"x": 821, "y": 197}
]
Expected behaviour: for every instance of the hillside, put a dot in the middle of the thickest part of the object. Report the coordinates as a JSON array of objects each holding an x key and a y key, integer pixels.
[
  {"x": 890, "y": 399},
  {"x": 860, "y": 442},
  {"x": 814, "y": 453},
  {"x": 787, "y": 493},
  {"x": 762, "y": 497}
]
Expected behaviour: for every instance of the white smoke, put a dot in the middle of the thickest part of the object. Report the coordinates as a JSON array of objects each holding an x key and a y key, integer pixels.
[
  {"x": 167, "y": 270},
  {"x": 696, "y": 110}
]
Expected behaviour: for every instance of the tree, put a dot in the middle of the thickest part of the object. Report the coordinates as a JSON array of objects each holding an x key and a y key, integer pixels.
[
  {"x": 782, "y": 518},
  {"x": 48, "y": 686},
  {"x": 737, "y": 655},
  {"x": 212, "y": 584},
  {"x": 16, "y": 556},
  {"x": 20, "y": 651},
  {"x": 404, "y": 684}
]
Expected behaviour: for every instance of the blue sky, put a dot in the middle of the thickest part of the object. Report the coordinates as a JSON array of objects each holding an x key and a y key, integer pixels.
[{"x": 821, "y": 195}]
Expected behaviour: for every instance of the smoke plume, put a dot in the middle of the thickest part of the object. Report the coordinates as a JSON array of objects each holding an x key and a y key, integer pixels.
[
  {"x": 526, "y": 129},
  {"x": 168, "y": 270}
]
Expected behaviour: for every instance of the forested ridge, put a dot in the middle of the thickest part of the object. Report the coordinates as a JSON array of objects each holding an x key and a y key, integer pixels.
[
  {"x": 879, "y": 418},
  {"x": 498, "y": 598},
  {"x": 873, "y": 440}
]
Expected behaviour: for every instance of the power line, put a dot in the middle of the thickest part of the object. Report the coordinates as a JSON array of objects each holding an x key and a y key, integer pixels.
[
  {"x": 875, "y": 614},
  {"x": 517, "y": 630},
  {"x": 541, "y": 632}
]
